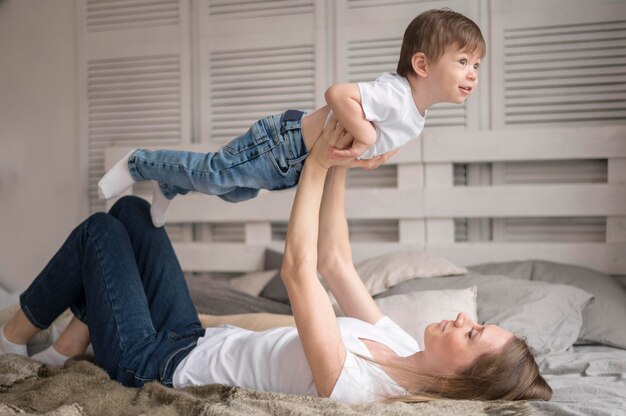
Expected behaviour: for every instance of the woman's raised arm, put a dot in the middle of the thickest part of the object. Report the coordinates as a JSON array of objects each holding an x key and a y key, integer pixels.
[
  {"x": 312, "y": 310},
  {"x": 335, "y": 254}
]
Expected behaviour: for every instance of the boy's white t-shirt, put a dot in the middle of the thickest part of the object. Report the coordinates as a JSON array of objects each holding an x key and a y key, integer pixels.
[
  {"x": 388, "y": 103},
  {"x": 274, "y": 361}
]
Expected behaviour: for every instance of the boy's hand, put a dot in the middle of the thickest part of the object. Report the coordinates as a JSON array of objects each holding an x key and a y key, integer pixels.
[
  {"x": 355, "y": 150},
  {"x": 346, "y": 147},
  {"x": 334, "y": 132},
  {"x": 373, "y": 163}
]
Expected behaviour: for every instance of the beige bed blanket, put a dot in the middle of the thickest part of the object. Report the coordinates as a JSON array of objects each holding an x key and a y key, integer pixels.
[{"x": 81, "y": 388}]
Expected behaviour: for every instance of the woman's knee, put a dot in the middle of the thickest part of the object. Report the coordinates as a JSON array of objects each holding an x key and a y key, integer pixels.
[
  {"x": 129, "y": 203},
  {"x": 132, "y": 211},
  {"x": 134, "y": 214},
  {"x": 102, "y": 222}
]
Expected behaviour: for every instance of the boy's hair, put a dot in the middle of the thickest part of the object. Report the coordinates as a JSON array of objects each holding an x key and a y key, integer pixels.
[{"x": 433, "y": 31}]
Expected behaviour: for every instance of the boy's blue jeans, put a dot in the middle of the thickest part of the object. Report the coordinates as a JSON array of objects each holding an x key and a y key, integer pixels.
[
  {"x": 120, "y": 276},
  {"x": 269, "y": 156}
]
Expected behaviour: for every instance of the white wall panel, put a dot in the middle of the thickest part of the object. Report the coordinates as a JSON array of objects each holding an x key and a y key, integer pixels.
[
  {"x": 557, "y": 63},
  {"x": 136, "y": 71}
]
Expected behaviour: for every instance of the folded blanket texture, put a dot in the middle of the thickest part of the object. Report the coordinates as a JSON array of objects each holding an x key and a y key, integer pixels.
[{"x": 83, "y": 389}]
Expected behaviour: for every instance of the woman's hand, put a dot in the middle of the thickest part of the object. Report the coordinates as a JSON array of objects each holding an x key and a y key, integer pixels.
[
  {"x": 334, "y": 133},
  {"x": 373, "y": 163}
]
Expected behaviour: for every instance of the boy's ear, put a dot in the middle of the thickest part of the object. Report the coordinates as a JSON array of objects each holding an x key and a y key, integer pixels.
[{"x": 419, "y": 62}]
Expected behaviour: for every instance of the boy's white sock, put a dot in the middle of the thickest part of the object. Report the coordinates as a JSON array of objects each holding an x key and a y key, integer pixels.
[
  {"x": 7, "y": 346},
  {"x": 160, "y": 204},
  {"x": 116, "y": 180},
  {"x": 50, "y": 356}
]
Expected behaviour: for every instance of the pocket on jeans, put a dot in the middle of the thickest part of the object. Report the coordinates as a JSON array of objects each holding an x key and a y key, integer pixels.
[
  {"x": 247, "y": 141},
  {"x": 288, "y": 169}
]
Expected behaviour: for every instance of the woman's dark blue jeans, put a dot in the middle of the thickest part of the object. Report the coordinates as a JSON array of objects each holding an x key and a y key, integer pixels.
[{"x": 119, "y": 275}]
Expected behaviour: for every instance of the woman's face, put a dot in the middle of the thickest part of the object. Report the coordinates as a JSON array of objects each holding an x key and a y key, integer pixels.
[{"x": 450, "y": 345}]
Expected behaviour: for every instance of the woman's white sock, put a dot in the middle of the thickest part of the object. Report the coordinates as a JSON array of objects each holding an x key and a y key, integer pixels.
[
  {"x": 116, "y": 180},
  {"x": 160, "y": 204},
  {"x": 7, "y": 346},
  {"x": 50, "y": 356}
]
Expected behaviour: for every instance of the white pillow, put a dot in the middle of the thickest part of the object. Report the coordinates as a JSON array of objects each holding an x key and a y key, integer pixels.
[
  {"x": 413, "y": 311},
  {"x": 382, "y": 272},
  {"x": 252, "y": 283}
]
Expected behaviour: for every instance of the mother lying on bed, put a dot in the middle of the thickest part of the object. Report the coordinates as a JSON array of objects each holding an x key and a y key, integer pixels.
[{"x": 121, "y": 279}]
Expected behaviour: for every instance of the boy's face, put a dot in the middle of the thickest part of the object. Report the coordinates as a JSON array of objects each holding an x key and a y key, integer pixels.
[{"x": 455, "y": 75}]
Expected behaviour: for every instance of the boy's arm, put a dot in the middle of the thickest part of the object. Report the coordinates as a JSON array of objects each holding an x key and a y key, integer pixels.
[{"x": 345, "y": 102}]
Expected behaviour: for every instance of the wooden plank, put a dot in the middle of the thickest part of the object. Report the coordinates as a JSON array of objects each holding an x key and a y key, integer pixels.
[
  {"x": 447, "y": 145},
  {"x": 410, "y": 153},
  {"x": 232, "y": 257},
  {"x": 525, "y": 201},
  {"x": 220, "y": 257},
  {"x": 435, "y": 203},
  {"x": 616, "y": 225},
  {"x": 525, "y": 144},
  {"x": 604, "y": 257},
  {"x": 380, "y": 203}
]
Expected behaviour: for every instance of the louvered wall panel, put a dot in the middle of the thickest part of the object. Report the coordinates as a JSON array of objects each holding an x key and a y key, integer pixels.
[
  {"x": 130, "y": 101},
  {"x": 559, "y": 63},
  {"x": 279, "y": 231},
  {"x": 374, "y": 230},
  {"x": 385, "y": 176},
  {"x": 243, "y": 9},
  {"x": 177, "y": 232},
  {"x": 573, "y": 73},
  {"x": 357, "y": 4},
  {"x": 249, "y": 84},
  {"x": 103, "y": 15},
  {"x": 563, "y": 171},
  {"x": 461, "y": 225},
  {"x": 461, "y": 232},
  {"x": 359, "y": 230},
  {"x": 228, "y": 232},
  {"x": 580, "y": 229},
  {"x": 460, "y": 174},
  {"x": 256, "y": 58},
  {"x": 534, "y": 230}
]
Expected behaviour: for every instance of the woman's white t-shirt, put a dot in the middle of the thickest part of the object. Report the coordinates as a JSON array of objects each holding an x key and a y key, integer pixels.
[
  {"x": 388, "y": 103},
  {"x": 274, "y": 360}
]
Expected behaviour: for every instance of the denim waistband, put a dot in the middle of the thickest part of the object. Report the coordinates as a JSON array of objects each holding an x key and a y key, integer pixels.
[
  {"x": 157, "y": 358},
  {"x": 184, "y": 347},
  {"x": 292, "y": 115}
]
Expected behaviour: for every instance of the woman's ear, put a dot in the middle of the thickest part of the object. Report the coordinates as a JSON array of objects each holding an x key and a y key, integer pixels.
[{"x": 419, "y": 62}]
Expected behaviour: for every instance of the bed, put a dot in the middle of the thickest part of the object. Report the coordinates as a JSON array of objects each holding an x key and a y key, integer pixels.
[{"x": 566, "y": 298}]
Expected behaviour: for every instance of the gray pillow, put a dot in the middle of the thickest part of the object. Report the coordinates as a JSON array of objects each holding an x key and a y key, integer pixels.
[
  {"x": 274, "y": 289},
  {"x": 273, "y": 260},
  {"x": 514, "y": 269},
  {"x": 548, "y": 315},
  {"x": 604, "y": 319},
  {"x": 215, "y": 298}
]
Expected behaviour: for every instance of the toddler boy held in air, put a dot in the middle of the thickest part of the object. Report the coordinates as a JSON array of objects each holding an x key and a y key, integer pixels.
[{"x": 439, "y": 59}]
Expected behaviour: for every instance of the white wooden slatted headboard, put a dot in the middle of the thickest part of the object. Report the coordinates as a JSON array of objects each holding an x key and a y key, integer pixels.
[{"x": 425, "y": 202}]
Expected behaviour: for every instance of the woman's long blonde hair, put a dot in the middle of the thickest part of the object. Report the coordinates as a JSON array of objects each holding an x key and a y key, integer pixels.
[{"x": 510, "y": 374}]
